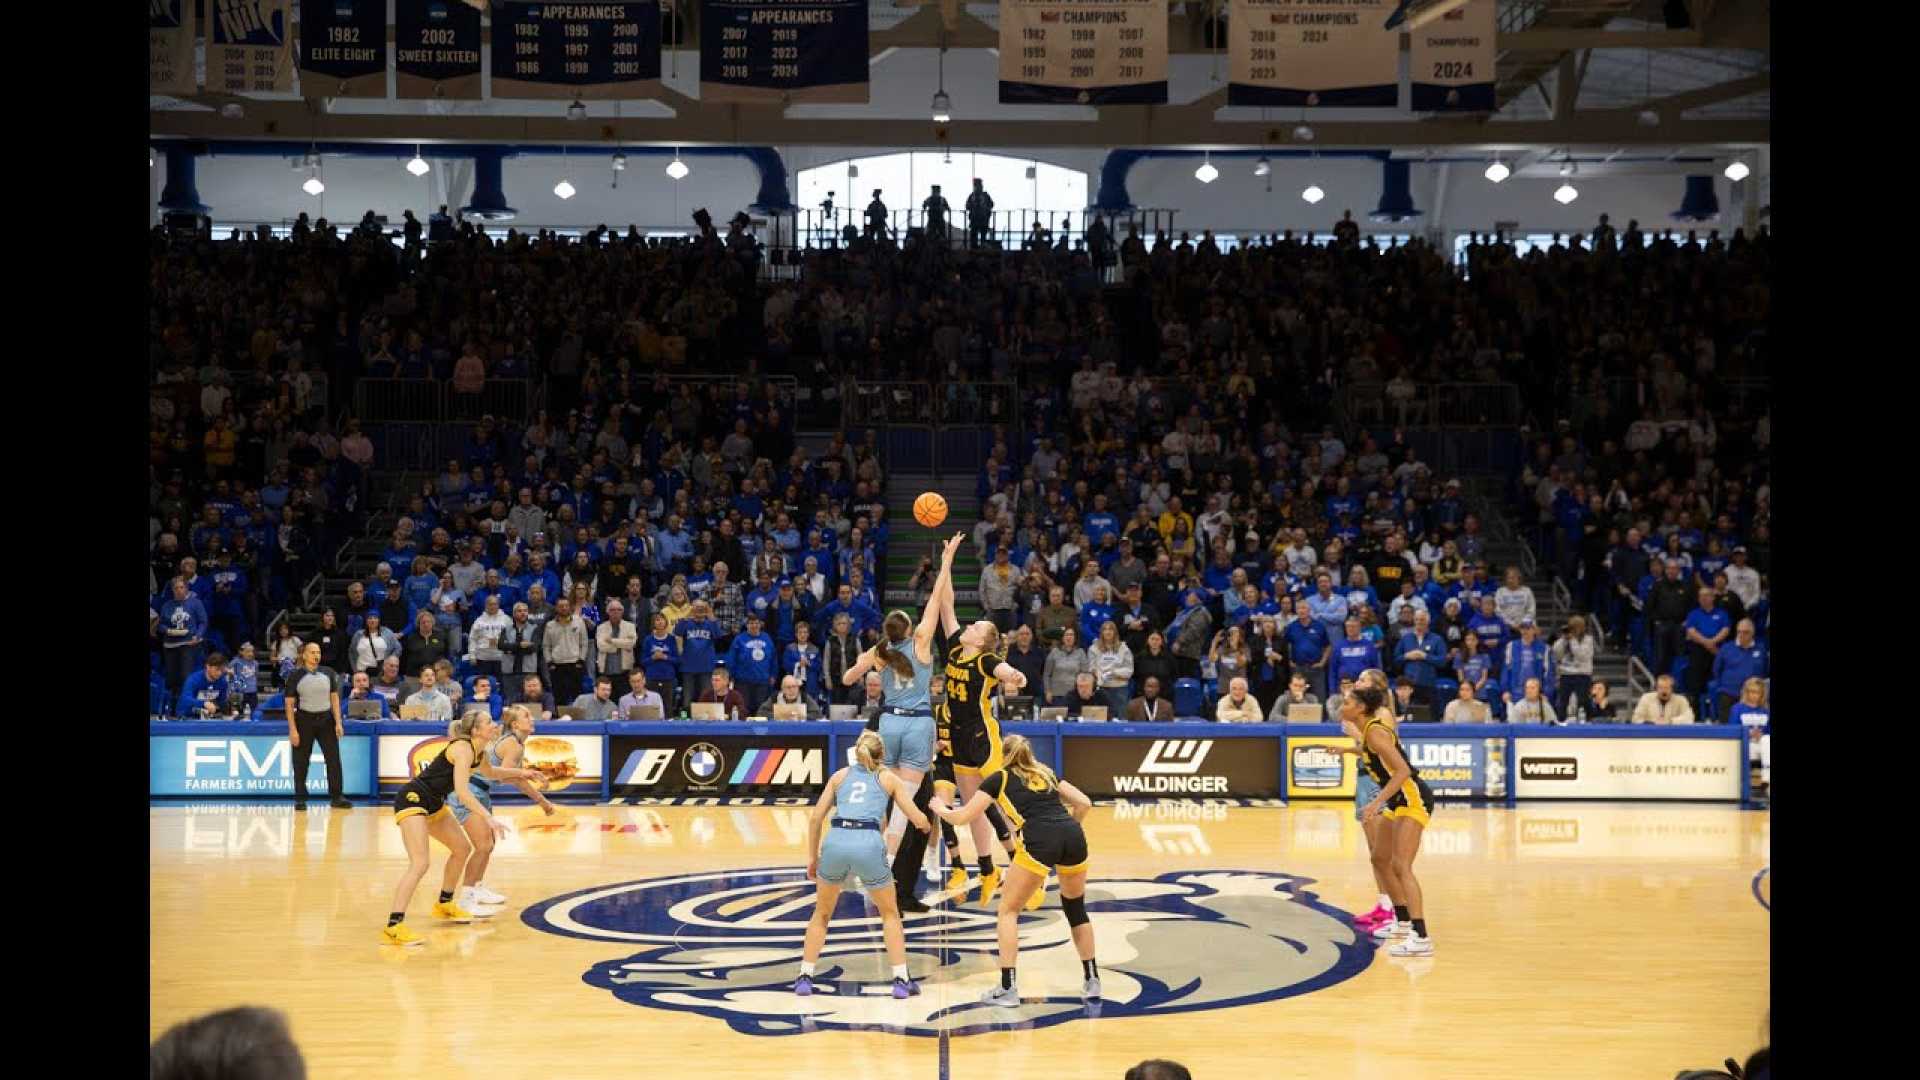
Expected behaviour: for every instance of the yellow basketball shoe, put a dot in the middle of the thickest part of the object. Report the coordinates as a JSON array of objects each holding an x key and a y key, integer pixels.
[
  {"x": 1038, "y": 898},
  {"x": 957, "y": 881},
  {"x": 989, "y": 884},
  {"x": 452, "y": 912},
  {"x": 400, "y": 934}
]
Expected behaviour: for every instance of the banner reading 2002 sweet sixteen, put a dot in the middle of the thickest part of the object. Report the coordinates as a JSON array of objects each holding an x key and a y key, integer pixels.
[
  {"x": 1334, "y": 53},
  {"x": 1083, "y": 52}
]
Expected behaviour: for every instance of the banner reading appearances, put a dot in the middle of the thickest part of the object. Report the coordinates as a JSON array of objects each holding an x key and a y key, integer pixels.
[
  {"x": 223, "y": 766},
  {"x": 1238, "y": 768},
  {"x": 343, "y": 48},
  {"x": 170, "y": 47},
  {"x": 783, "y": 50},
  {"x": 573, "y": 763},
  {"x": 719, "y": 764},
  {"x": 436, "y": 49},
  {"x": 1083, "y": 52},
  {"x": 1334, "y": 53},
  {"x": 247, "y": 47},
  {"x": 1452, "y": 61},
  {"x": 1628, "y": 768},
  {"x": 601, "y": 51}
]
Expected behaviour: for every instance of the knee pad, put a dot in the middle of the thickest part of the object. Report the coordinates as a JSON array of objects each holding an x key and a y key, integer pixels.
[{"x": 1076, "y": 909}]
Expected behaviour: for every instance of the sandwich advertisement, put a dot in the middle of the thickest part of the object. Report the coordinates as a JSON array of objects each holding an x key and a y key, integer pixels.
[
  {"x": 247, "y": 765},
  {"x": 573, "y": 764}
]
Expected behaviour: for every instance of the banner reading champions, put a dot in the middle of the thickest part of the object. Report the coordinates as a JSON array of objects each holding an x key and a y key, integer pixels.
[
  {"x": 247, "y": 47},
  {"x": 436, "y": 49},
  {"x": 1335, "y": 53},
  {"x": 601, "y": 51},
  {"x": 1453, "y": 59},
  {"x": 170, "y": 47},
  {"x": 343, "y": 48},
  {"x": 768, "y": 51},
  {"x": 1083, "y": 52}
]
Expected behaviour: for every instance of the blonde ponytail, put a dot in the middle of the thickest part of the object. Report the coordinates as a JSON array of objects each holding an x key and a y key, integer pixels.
[
  {"x": 868, "y": 749},
  {"x": 1018, "y": 753}
]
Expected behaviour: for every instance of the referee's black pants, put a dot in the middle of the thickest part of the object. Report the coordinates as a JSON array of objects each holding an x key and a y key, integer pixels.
[{"x": 316, "y": 727}]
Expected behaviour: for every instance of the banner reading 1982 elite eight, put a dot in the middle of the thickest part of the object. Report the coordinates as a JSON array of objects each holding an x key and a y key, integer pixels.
[
  {"x": 343, "y": 48},
  {"x": 783, "y": 50},
  {"x": 436, "y": 49},
  {"x": 602, "y": 51},
  {"x": 170, "y": 47},
  {"x": 1334, "y": 53},
  {"x": 247, "y": 47},
  {"x": 1452, "y": 60},
  {"x": 1083, "y": 52}
]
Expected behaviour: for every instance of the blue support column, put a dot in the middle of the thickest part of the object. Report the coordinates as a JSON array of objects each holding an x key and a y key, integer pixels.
[
  {"x": 489, "y": 190},
  {"x": 1396, "y": 192},
  {"x": 180, "y": 196}
]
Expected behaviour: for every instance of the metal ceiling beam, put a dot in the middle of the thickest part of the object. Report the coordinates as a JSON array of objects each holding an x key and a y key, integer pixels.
[
  {"x": 1190, "y": 126},
  {"x": 1675, "y": 104}
]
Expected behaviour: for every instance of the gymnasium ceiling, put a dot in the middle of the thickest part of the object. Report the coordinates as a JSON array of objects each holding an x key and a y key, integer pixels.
[{"x": 1573, "y": 75}]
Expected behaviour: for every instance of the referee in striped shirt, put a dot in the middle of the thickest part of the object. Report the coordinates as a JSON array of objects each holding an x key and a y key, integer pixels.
[{"x": 313, "y": 715}]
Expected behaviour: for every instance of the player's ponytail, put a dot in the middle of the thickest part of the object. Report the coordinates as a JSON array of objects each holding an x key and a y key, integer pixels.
[
  {"x": 897, "y": 629},
  {"x": 1018, "y": 753},
  {"x": 867, "y": 750},
  {"x": 463, "y": 725}
]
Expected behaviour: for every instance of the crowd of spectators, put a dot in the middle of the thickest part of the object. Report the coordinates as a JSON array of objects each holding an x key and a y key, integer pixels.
[{"x": 1196, "y": 478}]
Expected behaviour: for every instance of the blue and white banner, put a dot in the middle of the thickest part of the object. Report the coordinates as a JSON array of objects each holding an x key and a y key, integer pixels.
[
  {"x": 1313, "y": 53},
  {"x": 249, "y": 765},
  {"x": 248, "y": 47},
  {"x": 1083, "y": 52},
  {"x": 777, "y": 51},
  {"x": 436, "y": 50},
  {"x": 343, "y": 48},
  {"x": 600, "y": 51},
  {"x": 1457, "y": 767},
  {"x": 170, "y": 47},
  {"x": 1452, "y": 60}
]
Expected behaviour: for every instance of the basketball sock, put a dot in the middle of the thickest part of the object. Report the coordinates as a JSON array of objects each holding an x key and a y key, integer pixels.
[
  {"x": 806, "y": 968},
  {"x": 446, "y": 897},
  {"x": 1385, "y": 901},
  {"x": 986, "y": 865},
  {"x": 1400, "y": 913},
  {"x": 1419, "y": 928},
  {"x": 900, "y": 972},
  {"x": 1006, "y": 978},
  {"x": 396, "y": 918},
  {"x": 1090, "y": 968}
]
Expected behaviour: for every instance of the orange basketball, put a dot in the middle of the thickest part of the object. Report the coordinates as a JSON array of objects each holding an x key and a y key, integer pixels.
[{"x": 930, "y": 509}]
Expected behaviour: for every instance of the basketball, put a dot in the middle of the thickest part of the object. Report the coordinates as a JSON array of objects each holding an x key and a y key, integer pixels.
[{"x": 930, "y": 509}]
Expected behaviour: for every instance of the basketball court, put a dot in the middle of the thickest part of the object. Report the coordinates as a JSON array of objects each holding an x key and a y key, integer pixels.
[{"x": 661, "y": 940}]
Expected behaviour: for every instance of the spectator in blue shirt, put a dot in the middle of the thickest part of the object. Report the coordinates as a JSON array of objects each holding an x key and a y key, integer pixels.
[
  {"x": 1098, "y": 611},
  {"x": 697, "y": 634},
  {"x": 1307, "y": 649},
  {"x": 1475, "y": 668},
  {"x": 659, "y": 656},
  {"x": 207, "y": 693},
  {"x": 1491, "y": 629},
  {"x": 1354, "y": 653},
  {"x": 802, "y": 660},
  {"x": 1707, "y": 628},
  {"x": 1528, "y": 657},
  {"x": 1421, "y": 652},
  {"x": 1737, "y": 662},
  {"x": 751, "y": 659},
  {"x": 183, "y": 626},
  {"x": 1329, "y": 610}
]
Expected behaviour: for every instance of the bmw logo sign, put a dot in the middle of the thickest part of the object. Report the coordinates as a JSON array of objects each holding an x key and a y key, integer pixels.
[{"x": 702, "y": 763}]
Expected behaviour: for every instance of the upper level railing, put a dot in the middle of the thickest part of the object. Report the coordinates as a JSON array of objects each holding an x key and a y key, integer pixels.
[
  {"x": 376, "y": 400},
  {"x": 1439, "y": 405}
]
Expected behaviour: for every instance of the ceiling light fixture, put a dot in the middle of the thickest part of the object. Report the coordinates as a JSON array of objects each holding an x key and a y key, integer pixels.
[
  {"x": 1263, "y": 167},
  {"x": 676, "y": 168},
  {"x": 1303, "y": 133},
  {"x": 1206, "y": 173},
  {"x": 577, "y": 110},
  {"x": 563, "y": 190},
  {"x": 1737, "y": 170},
  {"x": 942, "y": 104},
  {"x": 1498, "y": 171},
  {"x": 1565, "y": 194},
  {"x": 1313, "y": 194},
  {"x": 418, "y": 165},
  {"x": 314, "y": 185}
]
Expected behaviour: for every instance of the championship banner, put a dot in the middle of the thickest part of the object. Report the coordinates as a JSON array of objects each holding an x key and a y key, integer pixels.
[
  {"x": 1240, "y": 768},
  {"x": 170, "y": 47},
  {"x": 773, "y": 51},
  {"x": 1083, "y": 52},
  {"x": 1452, "y": 61},
  {"x": 647, "y": 765},
  {"x": 1334, "y": 53},
  {"x": 247, "y": 47},
  {"x": 573, "y": 764},
  {"x": 598, "y": 51},
  {"x": 436, "y": 50},
  {"x": 223, "y": 766},
  {"x": 1629, "y": 768},
  {"x": 343, "y": 48}
]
